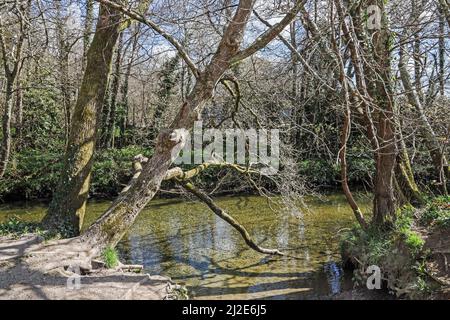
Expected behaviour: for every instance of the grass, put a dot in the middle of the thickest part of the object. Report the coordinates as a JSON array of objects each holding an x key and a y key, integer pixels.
[
  {"x": 399, "y": 251},
  {"x": 110, "y": 257}
]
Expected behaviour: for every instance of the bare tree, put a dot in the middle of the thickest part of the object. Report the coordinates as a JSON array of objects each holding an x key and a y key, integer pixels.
[{"x": 11, "y": 48}]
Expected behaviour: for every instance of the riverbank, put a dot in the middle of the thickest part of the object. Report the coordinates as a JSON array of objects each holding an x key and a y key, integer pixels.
[
  {"x": 34, "y": 269},
  {"x": 412, "y": 256},
  {"x": 186, "y": 242}
]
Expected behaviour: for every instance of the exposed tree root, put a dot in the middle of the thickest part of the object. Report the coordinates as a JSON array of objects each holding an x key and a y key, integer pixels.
[{"x": 65, "y": 269}]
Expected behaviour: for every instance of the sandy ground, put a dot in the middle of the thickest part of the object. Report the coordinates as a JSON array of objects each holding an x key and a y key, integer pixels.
[{"x": 27, "y": 272}]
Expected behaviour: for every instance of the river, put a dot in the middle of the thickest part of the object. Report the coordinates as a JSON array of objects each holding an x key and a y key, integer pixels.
[{"x": 187, "y": 242}]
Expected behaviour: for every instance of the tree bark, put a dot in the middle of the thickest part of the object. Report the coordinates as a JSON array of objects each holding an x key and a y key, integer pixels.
[
  {"x": 66, "y": 211},
  {"x": 445, "y": 8},
  {"x": 431, "y": 141},
  {"x": 111, "y": 122},
  {"x": 11, "y": 70},
  {"x": 88, "y": 22},
  {"x": 6, "y": 127},
  {"x": 125, "y": 85},
  {"x": 63, "y": 64},
  {"x": 375, "y": 92},
  {"x": 380, "y": 89},
  {"x": 112, "y": 225}
]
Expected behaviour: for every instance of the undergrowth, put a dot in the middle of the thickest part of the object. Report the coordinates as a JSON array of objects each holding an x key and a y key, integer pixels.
[{"x": 399, "y": 251}]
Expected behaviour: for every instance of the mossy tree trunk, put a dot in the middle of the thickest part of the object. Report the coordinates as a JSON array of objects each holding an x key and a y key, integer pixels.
[
  {"x": 118, "y": 218},
  {"x": 370, "y": 53},
  {"x": 381, "y": 91},
  {"x": 66, "y": 211},
  {"x": 110, "y": 228}
]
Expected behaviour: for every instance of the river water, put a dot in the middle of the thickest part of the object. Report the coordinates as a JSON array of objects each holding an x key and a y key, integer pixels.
[{"x": 187, "y": 242}]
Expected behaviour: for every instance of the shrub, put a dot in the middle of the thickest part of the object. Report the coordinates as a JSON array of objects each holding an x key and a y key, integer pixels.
[
  {"x": 14, "y": 227},
  {"x": 110, "y": 257}
]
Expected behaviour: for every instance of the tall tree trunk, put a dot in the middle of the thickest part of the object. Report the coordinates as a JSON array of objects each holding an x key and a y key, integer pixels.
[
  {"x": 124, "y": 89},
  {"x": 441, "y": 71},
  {"x": 63, "y": 64},
  {"x": 373, "y": 79},
  {"x": 431, "y": 141},
  {"x": 88, "y": 22},
  {"x": 6, "y": 126},
  {"x": 380, "y": 89},
  {"x": 66, "y": 211},
  {"x": 19, "y": 109},
  {"x": 11, "y": 69},
  {"x": 109, "y": 136}
]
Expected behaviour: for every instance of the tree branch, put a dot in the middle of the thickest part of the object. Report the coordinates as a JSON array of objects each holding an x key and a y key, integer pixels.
[
  {"x": 173, "y": 41},
  {"x": 269, "y": 34},
  {"x": 226, "y": 217}
]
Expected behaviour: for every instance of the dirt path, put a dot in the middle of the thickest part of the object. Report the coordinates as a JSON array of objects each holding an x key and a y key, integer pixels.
[{"x": 32, "y": 269}]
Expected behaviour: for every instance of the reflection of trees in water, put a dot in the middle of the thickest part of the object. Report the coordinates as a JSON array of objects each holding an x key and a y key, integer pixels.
[
  {"x": 200, "y": 249},
  {"x": 334, "y": 276}
]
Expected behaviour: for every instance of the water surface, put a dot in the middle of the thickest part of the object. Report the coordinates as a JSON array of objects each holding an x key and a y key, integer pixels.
[{"x": 186, "y": 241}]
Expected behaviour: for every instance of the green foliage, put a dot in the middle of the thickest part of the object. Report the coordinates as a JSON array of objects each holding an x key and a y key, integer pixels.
[
  {"x": 397, "y": 251},
  {"x": 113, "y": 169},
  {"x": 34, "y": 174},
  {"x": 14, "y": 227},
  {"x": 413, "y": 240},
  {"x": 323, "y": 172},
  {"x": 168, "y": 77},
  {"x": 43, "y": 121},
  {"x": 110, "y": 257},
  {"x": 370, "y": 246},
  {"x": 437, "y": 212}
]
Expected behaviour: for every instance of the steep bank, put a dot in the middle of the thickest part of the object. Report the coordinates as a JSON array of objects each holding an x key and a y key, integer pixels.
[{"x": 413, "y": 256}]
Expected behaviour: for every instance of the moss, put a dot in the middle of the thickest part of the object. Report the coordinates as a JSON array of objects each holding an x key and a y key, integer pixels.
[{"x": 398, "y": 252}]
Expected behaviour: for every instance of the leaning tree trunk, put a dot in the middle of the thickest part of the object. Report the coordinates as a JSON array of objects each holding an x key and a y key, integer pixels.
[
  {"x": 66, "y": 211},
  {"x": 112, "y": 225},
  {"x": 110, "y": 228}
]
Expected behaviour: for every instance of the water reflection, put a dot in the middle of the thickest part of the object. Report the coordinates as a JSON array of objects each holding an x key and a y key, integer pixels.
[
  {"x": 185, "y": 241},
  {"x": 205, "y": 253}
]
